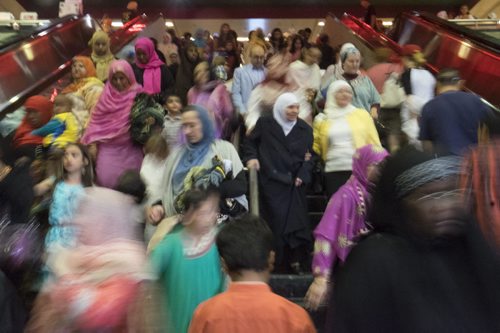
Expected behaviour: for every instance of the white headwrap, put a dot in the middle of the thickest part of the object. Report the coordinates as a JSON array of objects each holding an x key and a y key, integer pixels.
[
  {"x": 344, "y": 48},
  {"x": 279, "y": 108},
  {"x": 332, "y": 109}
]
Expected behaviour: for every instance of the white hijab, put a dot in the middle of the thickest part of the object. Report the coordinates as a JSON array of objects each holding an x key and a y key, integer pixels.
[
  {"x": 332, "y": 109},
  {"x": 279, "y": 108}
]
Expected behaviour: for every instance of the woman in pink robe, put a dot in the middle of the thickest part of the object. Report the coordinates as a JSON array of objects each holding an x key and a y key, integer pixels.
[{"x": 108, "y": 130}]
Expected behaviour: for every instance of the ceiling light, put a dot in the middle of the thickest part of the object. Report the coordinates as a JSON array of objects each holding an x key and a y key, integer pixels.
[
  {"x": 169, "y": 24},
  {"x": 321, "y": 23}
]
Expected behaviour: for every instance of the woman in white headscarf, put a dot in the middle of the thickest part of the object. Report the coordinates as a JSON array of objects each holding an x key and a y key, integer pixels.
[
  {"x": 338, "y": 132},
  {"x": 335, "y": 71},
  {"x": 279, "y": 147}
]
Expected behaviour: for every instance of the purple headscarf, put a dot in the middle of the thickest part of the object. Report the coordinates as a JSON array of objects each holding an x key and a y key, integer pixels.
[
  {"x": 111, "y": 116},
  {"x": 152, "y": 71},
  {"x": 345, "y": 214}
]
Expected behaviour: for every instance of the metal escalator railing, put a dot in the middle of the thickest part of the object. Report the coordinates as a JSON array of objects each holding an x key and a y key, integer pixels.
[
  {"x": 37, "y": 63},
  {"x": 254, "y": 191}
]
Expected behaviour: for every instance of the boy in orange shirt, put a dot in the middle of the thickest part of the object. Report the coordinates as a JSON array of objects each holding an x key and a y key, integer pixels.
[{"x": 249, "y": 305}]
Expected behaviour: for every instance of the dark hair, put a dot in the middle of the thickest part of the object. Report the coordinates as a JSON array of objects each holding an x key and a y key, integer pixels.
[
  {"x": 193, "y": 198},
  {"x": 88, "y": 170},
  {"x": 245, "y": 244},
  {"x": 448, "y": 76},
  {"x": 324, "y": 38},
  {"x": 130, "y": 182},
  {"x": 278, "y": 44},
  {"x": 308, "y": 30},
  {"x": 294, "y": 39},
  {"x": 172, "y": 32}
]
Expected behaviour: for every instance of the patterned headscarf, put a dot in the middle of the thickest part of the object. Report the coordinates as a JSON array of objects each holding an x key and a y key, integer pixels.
[{"x": 426, "y": 172}]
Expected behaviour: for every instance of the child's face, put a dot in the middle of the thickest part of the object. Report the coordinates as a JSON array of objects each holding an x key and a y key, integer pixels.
[
  {"x": 62, "y": 105},
  {"x": 203, "y": 219},
  {"x": 73, "y": 159},
  {"x": 173, "y": 104}
]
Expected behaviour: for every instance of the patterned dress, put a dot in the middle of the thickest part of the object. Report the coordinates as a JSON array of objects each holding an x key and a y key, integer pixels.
[{"x": 65, "y": 201}]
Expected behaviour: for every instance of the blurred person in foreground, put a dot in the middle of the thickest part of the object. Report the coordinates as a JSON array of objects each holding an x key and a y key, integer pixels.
[
  {"x": 248, "y": 305},
  {"x": 481, "y": 179},
  {"x": 98, "y": 282},
  {"x": 426, "y": 268},
  {"x": 187, "y": 261}
]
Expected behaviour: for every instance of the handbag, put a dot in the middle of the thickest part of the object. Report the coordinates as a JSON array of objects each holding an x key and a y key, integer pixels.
[
  {"x": 146, "y": 118},
  {"x": 393, "y": 94}
]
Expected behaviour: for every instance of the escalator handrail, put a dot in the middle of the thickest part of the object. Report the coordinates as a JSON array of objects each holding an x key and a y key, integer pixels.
[
  {"x": 46, "y": 29},
  {"x": 384, "y": 39},
  {"x": 482, "y": 40}
]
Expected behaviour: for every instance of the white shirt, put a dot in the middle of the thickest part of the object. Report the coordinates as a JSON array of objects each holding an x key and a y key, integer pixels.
[{"x": 340, "y": 148}]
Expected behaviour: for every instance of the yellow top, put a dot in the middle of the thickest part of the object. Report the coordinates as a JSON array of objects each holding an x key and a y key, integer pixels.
[{"x": 362, "y": 127}]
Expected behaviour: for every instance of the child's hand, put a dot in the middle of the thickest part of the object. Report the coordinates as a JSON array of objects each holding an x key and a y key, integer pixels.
[{"x": 155, "y": 213}]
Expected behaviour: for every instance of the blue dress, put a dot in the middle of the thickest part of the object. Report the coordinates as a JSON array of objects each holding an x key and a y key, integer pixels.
[{"x": 65, "y": 200}]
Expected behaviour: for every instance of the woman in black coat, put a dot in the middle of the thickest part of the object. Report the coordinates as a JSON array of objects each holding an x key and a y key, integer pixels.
[{"x": 279, "y": 148}]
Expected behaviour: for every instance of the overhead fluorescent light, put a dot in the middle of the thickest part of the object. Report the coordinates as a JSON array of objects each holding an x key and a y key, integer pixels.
[
  {"x": 321, "y": 23},
  {"x": 117, "y": 24},
  {"x": 169, "y": 24}
]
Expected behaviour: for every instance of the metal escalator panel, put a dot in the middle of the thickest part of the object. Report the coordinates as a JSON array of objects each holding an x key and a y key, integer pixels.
[
  {"x": 10, "y": 35},
  {"x": 447, "y": 45},
  {"x": 39, "y": 62},
  {"x": 35, "y": 61}
]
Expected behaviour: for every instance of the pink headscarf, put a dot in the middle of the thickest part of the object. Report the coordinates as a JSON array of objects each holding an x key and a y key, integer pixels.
[
  {"x": 110, "y": 118},
  {"x": 152, "y": 71}
]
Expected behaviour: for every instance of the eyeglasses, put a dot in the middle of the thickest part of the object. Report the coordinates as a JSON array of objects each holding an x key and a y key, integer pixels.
[{"x": 454, "y": 194}]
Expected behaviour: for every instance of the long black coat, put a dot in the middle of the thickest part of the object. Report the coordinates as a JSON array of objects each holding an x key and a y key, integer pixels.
[{"x": 282, "y": 160}]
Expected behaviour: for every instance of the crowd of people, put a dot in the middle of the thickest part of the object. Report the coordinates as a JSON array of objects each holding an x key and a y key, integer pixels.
[{"x": 135, "y": 175}]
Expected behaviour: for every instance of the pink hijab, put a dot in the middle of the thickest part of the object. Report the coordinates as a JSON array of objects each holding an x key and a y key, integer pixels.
[
  {"x": 152, "y": 71},
  {"x": 110, "y": 118}
]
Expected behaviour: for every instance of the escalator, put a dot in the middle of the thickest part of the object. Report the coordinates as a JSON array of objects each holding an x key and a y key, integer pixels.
[
  {"x": 40, "y": 63},
  {"x": 445, "y": 44}
]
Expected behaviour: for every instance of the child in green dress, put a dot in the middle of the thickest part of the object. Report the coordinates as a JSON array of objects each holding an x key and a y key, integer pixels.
[{"x": 187, "y": 261}]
